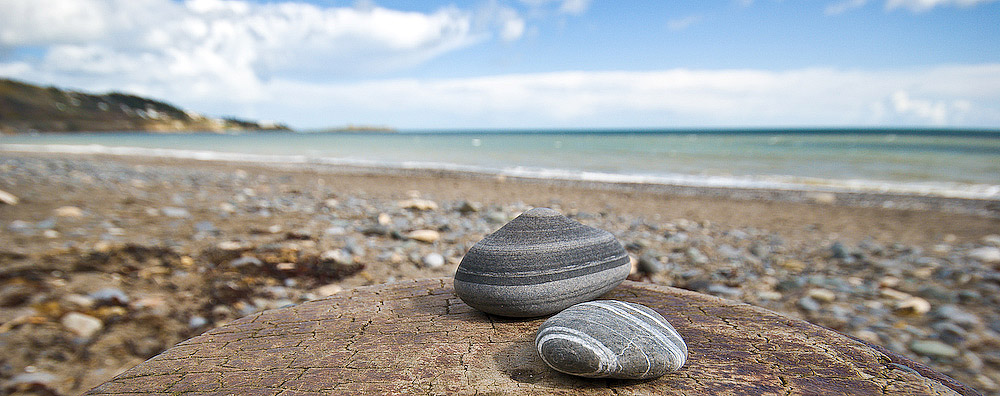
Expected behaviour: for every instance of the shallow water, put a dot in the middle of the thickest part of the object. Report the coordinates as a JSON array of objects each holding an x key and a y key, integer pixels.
[{"x": 937, "y": 162}]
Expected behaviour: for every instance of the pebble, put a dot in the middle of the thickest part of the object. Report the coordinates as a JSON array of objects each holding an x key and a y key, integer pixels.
[
  {"x": 540, "y": 263},
  {"x": 611, "y": 339},
  {"x": 110, "y": 295},
  {"x": 913, "y": 306},
  {"x": 245, "y": 260},
  {"x": 68, "y": 211},
  {"x": 197, "y": 321},
  {"x": 985, "y": 255},
  {"x": 175, "y": 212},
  {"x": 8, "y": 198},
  {"x": 934, "y": 348},
  {"x": 426, "y": 236},
  {"x": 433, "y": 260},
  {"x": 808, "y": 304},
  {"x": 418, "y": 204},
  {"x": 959, "y": 316},
  {"x": 327, "y": 290},
  {"x": 85, "y": 326},
  {"x": 822, "y": 295},
  {"x": 651, "y": 265}
]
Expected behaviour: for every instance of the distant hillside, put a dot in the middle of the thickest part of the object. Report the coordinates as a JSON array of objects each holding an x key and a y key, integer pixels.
[{"x": 29, "y": 108}]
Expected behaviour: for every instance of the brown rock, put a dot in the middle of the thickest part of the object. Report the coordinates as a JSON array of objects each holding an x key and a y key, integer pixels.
[{"x": 421, "y": 339}]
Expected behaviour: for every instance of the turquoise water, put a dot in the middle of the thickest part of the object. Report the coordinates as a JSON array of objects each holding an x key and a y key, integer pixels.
[{"x": 948, "y": 162}]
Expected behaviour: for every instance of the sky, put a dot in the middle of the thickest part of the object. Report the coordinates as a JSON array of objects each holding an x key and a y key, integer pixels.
[{"x": 523, "y": 64}]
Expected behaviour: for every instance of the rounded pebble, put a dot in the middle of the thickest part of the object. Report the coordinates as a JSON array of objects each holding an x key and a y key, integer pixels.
[
  {"x": 611, "y": 339},
  {"x": 540, "y": 263}
]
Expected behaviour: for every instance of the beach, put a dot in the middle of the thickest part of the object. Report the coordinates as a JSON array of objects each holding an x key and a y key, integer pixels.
[{"x": 108, "y": 260}]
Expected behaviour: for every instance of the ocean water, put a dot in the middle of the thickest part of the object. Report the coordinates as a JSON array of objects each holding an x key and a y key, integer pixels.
[{"x": 951, "y": 163}]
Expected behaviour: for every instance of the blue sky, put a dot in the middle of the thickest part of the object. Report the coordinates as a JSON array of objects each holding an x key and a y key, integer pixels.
[{"x": 526, "y": 63}]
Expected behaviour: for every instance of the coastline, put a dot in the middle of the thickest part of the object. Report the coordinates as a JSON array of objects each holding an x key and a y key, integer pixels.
[{"x": 193, "y": 244}]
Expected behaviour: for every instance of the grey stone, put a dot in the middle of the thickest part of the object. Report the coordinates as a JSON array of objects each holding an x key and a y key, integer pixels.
[
  {"x": 610, "y": 339},
  {"x": 651, "y": 265},
  {"x": 85, "y": 326},
  {"x": 177, "y": 213},
  {"x": 110, "y": 295},
  {"x": 246, "y": 260},
  {"x": 197, "y": 321},
  {"x": 433, "y": 260},
  {"x": 808, "y": 304},
  {"x": 987, "y": 255},
  {"x": 540, "y": 263},
  {"x": 959, "y": 316},
  {"x": 934, "y": 348}
]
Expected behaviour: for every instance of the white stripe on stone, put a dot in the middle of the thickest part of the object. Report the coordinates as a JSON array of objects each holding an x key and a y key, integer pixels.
[{"x": 608, "y": 359}]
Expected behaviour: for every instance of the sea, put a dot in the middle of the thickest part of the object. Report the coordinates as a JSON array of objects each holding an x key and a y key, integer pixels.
[{"x": 933, "y": 162}]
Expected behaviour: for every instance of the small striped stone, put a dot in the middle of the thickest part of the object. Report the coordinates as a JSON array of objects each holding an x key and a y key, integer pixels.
[
  {"x": 611, "y": 339},
  {"x": 538, "y": 264}
]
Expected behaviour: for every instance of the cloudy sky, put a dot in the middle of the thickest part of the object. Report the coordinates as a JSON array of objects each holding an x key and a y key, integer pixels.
[{"x": 526, "y": 63}]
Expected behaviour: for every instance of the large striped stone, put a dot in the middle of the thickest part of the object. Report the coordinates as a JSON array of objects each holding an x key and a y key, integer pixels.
[
  {"x": 610, "y": 339},
  {"x": 538, "y": 264}
]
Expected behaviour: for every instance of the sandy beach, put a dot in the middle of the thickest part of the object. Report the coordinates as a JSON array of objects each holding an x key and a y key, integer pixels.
[{"x": 106, "y": 261}]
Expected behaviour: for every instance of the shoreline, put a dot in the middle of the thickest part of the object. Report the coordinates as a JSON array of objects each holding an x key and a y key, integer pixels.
[
  {"x": 923, "y": 220},
  {"x": 150, "y": 252},
  {"x": 775, "y": 183}
]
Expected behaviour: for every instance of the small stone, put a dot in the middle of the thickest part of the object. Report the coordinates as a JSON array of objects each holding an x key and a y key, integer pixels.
[
  {"x": 985, "y": 255},
  {"x": 110, "y": 295},
  {"x": 724, "y": 291},
  {"x": 433, "y": 260},
  {"x": 246, "y": 260},
  {"x": 992, "y": 239},
  {"x": 822, "y": 295},
  {"x": 822, "y": 198},
  {"x": 540, "y": 263},
  {"x": 79, "y": 301},
  {"x": 174, "y": 212},
  {"x": 427, "y": 236},
  {"x": 68, "y": 211},
  {"x": 839, "y": 251},
  {"x": 913, "y": 306},
  {"x": 961, "y": 317},
  {"x": 610, "y": 339},
  {"x": 231, "y": 246},
  {"x": 197, "y": 321},
  {"x": 418, "y": 204},
  {"x": 205, "y": 226},
  {"x": 327, "y": 290},
  {"x": 84, "y": 326},
  {"x": 651, "y": 265},
  {"x": 384, "y": 219},
  {"x": 696, "y": 256},
  {"x": 894, "y": 294},
  {"x": 8, "y": 198},
  {"x": 337, "y": 256},
  {"x": 51, "y": 234},
  {"x": 330, "y": 203},
  {"x": 868, "y": 336},
  {"x": 934, "y": 349},
  {"x": 808, "y": 304},
  {"x": 469, "y": 207}
]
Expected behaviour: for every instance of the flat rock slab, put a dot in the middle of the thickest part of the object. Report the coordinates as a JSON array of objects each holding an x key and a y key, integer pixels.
[{"x": 417, "y": 337}]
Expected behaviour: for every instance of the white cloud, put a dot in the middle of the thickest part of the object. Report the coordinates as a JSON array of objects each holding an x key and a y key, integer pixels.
[
  {"x": 954, "y": 95},
  {"x": 924, "y": 5},
  {"x": 683, "y": 23},
  {"x": 231, "y": 46},
  {"x": 844, "y": 6},
  {"x": 574, "y": 7}
]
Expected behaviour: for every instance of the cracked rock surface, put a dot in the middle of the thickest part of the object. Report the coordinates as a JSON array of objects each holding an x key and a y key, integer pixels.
[{"x": 417, "y": 337}]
